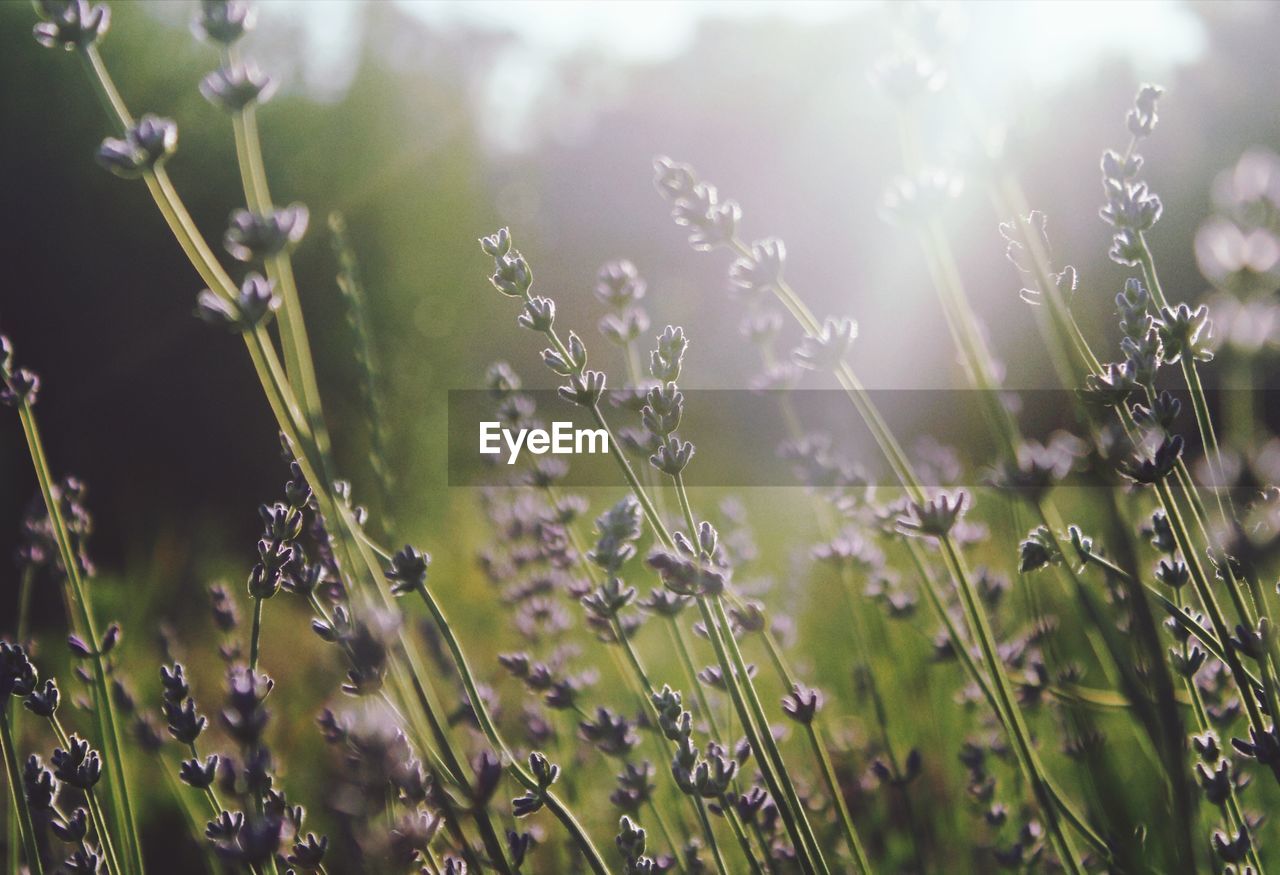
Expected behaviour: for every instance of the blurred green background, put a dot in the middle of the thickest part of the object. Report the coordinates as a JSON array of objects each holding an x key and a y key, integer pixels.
[{"x": 430, "y": 126}]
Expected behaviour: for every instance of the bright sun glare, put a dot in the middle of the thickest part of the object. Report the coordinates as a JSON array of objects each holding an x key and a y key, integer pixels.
[{"x": 1051, "y": 41}]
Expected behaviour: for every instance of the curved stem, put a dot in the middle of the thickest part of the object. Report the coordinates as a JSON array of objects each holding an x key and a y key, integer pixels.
[{"x": 293, "y": 332}]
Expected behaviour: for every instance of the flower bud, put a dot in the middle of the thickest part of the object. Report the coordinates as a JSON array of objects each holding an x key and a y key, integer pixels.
[
  {"x": 497, "y": 244},
  {"x": 74, "y": 24},
  {"x": 21, "y": 388},
  {"x": 147, "y": 144},
  {"x": 237, "y": 87},
  {"x": 224, "y": 21},
  {"x": 73, "y": 829},
  {"x": 802, "y": 703},
  {"x": 251, "y": 236},
  {"x": 539, "y": 314}
]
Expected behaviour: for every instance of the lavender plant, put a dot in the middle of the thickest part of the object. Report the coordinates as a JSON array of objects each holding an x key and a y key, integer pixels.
[{"x": 1070, "y": 636}]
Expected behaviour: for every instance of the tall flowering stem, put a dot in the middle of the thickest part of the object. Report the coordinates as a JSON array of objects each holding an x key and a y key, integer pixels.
[
  {"x": 513, "y": 278},
  {"x": 523, "y": 776},
  {"x": 82, "y": 620},
  {"x": 650, "y": 696},
  {"x": 293, "y": 334},
  {"x": 713, "y": 224},
  {"x": 750, "y": 711},
  {"x": 1133, "y": 210},
  {"x": 303, "y": 430},
  {"x": 829, "y": 531},
  {"x": 99, "y": 817},
  {"x": 911, "y": 200},
  {"x": 13, "y": 775}
]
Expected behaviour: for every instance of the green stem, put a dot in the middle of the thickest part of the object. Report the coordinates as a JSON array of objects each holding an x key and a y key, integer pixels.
[
  {"x": 1233, "y": 811},
  {"x": 706, "y": 828},
  {"x": 17, "y": 798},
  {"x": 83, "y": 621},
  {"x": 803, "y": 847},
  {"x": 806, "y": 847},
  {"x": 837, "y": 797},
  {"x": 1011, "y": 193},
  {"x": 637, "y": 667},
  {"x": 1212, "y": 609},
  {"x": 262, "y": 353},
  {"x": 1018, "y": 731},
  {"x": 680, "y": 641},
  {"x": 828, "y": 529},
  {"x": 293, "y": 333},
  {"x": 96, "y": 814},
  {"x": 736, "y": 826},
  {"x": 553, "y": 803},
  {"x": 898, "y": 461},
  {"x": 666, "y": 832},
  {"x": 738, "y": 682},
  {"x": 255, "y": 634},
  {"x": 15, "y": 713}
]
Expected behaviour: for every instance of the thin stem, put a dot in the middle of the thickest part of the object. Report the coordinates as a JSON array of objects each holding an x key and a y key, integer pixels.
[
  {"x": 734, "y": 672},
  {"x": 727, "y": 807},
  {"x": 1002, "y": 702},
  {"x": 15, "y": 713},
  {"x": 634, "y": 375},
  {"x": 837, "y": 797},
  {"x": 800, "y": 838},
  {"x": 255, "y": 634},
  {"x": 633, "y": 660},
  {"x": 1232, "y": 808},
  {"x": 311, "y": 448},
  {"x": 17, "y": 798},
  {"x": 189, "y": 814},
  {"x": 594, "y": 860},
  {"x": 792, "y": 816},
  {"x": 828, "y": 529},
  {"x": 82, "y": 619},
  {"x": 764, "y": 846},
  {"x": 680, "y": 640},
  {"x": 1018, "y": 731},
  {"x": 706, "y": 828},
  {"x": 95, "y": 808},
  {"x": 1212, "y": 609},
  {"x": 273, "y": 380},
  {"x": 1010, "y": 192},
  {"x": 673, "y": 628},
  {"x": 293, "y": 333},
  {"x": 979, "y": 363},
  {"x": 666, "y": 831}
]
